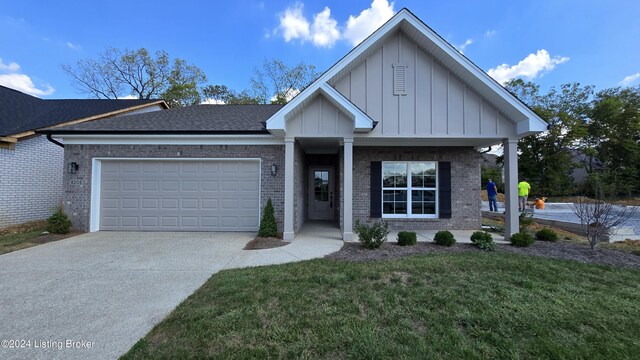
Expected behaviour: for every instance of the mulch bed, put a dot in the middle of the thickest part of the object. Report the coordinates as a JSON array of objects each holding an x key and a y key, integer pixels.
[
  {"x": 45, "y": 238},
  {"x": 557, "y": 250},
  {"x": 265, "y": 243}
]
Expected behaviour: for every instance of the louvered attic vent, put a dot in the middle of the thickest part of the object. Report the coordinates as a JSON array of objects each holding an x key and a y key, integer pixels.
[{"x": 399, "y": 79}]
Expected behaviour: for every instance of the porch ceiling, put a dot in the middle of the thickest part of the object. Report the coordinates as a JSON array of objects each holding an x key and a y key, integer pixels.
[{"x": 320, "y": 145}]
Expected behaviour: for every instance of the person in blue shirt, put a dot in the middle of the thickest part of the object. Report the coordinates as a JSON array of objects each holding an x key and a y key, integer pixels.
[{"x": 492, "y": 193}]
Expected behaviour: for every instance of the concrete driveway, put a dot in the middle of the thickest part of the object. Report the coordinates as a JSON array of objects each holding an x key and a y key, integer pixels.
[{"x": 102, "y": 291}]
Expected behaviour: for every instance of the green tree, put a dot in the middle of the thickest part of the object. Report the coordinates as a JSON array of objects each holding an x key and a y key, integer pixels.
[
  {"x": 223, "y": 95},
  {"x": 612, "y": 147},
  {"x": 547, "y": 159},
  {"x": 119, "y": 73}
]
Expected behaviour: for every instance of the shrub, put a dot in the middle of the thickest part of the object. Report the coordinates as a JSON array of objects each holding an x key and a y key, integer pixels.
[
  {"x": 526, "y": 220},
  {"x": 444, "y": 238},
  {"x": 268, "y": 225},
  {"x": 483, "y": 240},
  {"x": 407, "y": 238},
  {"x": 59, "y": 223},
  {"x": 521, "y": 239},
  {"x": 372, "y": 236},
  {"x": 547, "y": 235}
]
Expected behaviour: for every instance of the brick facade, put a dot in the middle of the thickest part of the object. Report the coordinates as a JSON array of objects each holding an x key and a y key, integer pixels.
[
  {"x": 30, "y": 181},
  {"x": 465, "y": 184},
  {"x": 77, "y": 187}
]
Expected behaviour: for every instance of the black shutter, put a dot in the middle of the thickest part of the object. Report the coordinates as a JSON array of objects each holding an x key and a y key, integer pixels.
[
  {"x": 376, "y": 189},
  {"x": 444, "y": 189}
]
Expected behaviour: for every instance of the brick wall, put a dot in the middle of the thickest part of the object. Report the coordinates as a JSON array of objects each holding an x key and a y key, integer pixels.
[
  {"x": 30, "y": 181},
  {"x": 77, "y": 196},
  {"x": 465, "y": 184}
]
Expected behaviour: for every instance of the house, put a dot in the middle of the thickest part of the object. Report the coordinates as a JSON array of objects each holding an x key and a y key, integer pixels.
[
  {"x": 31, "y": 176},
  {"x": 391, "y": 131}
]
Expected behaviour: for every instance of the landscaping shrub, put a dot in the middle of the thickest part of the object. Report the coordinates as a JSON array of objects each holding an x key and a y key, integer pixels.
[
  {"x": 372, "y": 236},
  {"x": 268, "y": 225},
  {"x": 444, "y": 238},
  {"x": 521, "y": 239},
  {"x": 526, "y": 220},
  {"x": 547, "y": 235},
  {"x": 59, "y": 223},
  {"x": 483, "y": 240},
  {"x": 407, "y": 238}
]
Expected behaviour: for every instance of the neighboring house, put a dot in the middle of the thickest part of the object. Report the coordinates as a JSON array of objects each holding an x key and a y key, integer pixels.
[
  {"x": 31, "y": 166},
  {"x": 391, "y": 132}
]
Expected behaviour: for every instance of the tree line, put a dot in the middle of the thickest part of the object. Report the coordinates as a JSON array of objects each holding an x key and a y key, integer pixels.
[
  {"x": 140, "y": 74},
  {"x": 598, "y": 132}
]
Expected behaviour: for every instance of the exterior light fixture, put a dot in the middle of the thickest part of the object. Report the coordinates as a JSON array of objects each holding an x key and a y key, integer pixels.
[
  {"x": 274, "y": 169},
  {"x": 72, "y": 167}
]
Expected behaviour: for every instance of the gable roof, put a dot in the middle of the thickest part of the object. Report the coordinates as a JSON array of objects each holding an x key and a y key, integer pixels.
[
  {"x": 20, "y": 112},
  {"x": 196, "y": 119},
  {"x": 528, "y": 122}
]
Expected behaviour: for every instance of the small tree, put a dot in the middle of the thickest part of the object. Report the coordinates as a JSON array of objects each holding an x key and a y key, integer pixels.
[
  {"x": 59, "y": 222},
  {"x": 598, "y": 215},
  {"x": 268, "y": 225}
]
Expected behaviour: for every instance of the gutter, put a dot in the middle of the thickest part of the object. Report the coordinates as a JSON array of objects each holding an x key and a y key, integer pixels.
[{"x": 54, "y": 141}]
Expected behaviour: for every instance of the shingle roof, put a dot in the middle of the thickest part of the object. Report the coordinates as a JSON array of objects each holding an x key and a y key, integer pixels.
[
  {"x": 20, "y": 112},
  {"x": 232, "y": 119}
]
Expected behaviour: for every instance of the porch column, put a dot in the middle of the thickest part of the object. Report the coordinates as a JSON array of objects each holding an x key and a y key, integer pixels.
[
  {"x": 288, "y": 188},
  {"x": 347, "y": 234},
  {"x": 512, "y": 216}
]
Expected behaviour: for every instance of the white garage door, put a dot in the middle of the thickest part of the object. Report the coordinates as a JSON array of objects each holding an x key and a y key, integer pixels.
[{"x": 180, "y": 195}]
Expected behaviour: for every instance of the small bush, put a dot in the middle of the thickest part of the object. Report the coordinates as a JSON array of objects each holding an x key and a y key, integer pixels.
[
  {"x": 407, "y": 238},
  {"x": 547, "y": 235},
  {"x": 522, "y": 239},
  {"x": 59, "y": 223},
  {"x": 483, "y": 240},
  {"x": 268, "y": 225},
  {"x": 372, "y": 236},
  {"x": 444, "y": 238},
  {"x": 526, "y": 220}
]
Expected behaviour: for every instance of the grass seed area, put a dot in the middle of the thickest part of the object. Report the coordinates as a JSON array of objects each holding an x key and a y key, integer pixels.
[{"x": 452, "y": 305}]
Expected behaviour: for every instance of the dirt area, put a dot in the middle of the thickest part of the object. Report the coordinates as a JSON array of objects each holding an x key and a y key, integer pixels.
[
  {"x": 265, "y": 243},
  {"x": 45, "y": 238},
  {"x": 558, "y": 250},
  {"x": 24, "y": 227},
  {"x": 484, "y": 197}
]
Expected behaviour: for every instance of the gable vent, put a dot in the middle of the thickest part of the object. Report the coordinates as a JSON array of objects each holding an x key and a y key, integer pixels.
[{"x": 399, "y": 79}]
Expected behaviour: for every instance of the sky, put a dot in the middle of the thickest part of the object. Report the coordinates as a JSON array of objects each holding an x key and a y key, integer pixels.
[{"x": 549, "y": 42}]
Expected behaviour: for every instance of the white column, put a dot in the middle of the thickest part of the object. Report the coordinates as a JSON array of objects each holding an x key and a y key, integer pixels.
[
  {"x": 288, "y": 188},
  {"x": 511, "y": 218},
  {"x": 347, "y": 234}
]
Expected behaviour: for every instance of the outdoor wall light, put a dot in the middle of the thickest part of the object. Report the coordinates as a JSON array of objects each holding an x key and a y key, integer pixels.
[
  {"x": 274, "y": 169},
  {"x": 72, "y": 168}
]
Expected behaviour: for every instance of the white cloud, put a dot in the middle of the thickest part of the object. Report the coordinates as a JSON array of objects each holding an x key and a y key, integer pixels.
[
  {"x": 325, "y": 32},
  {"x": 10, "y": 67},
  {"x": 490, "y": 33},
  {"x": 22, "y": 82},
  {"x": 293, "y": 24},
  {"x": 628, "y": 80},
  {"x": 10, "y": 78},
  {"x": 324, "y": 29},
  {"x": 290, "y": 95},
  {"x": 211, "y": 101},
  {"x": 528, "y": 68},
  {"x": 361, "y": 26},
  {"x": 73, "y": 46},
  {"x": 464, "y": 46}
]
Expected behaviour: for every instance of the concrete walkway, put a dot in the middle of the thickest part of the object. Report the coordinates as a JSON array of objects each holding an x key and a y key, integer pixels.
[{"x": 104, "y": 291}]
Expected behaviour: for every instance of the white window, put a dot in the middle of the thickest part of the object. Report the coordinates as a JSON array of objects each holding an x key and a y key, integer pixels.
[{"x": 409, "y": 189}]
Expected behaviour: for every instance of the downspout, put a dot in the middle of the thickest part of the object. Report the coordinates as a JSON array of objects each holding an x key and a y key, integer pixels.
[{"x": 54, "y": 141}]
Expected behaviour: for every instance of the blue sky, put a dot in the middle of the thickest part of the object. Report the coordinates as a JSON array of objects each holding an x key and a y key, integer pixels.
[{"x": 548, "y": 42}]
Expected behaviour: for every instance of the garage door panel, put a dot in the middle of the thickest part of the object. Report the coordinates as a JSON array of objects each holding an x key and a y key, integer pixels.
[{"x": 158, "y": 195}]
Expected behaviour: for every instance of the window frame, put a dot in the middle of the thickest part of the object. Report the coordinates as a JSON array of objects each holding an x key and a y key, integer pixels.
[{"x": 409, "y": 188}]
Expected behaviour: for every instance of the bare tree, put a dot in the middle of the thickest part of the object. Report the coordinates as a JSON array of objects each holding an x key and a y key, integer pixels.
[
  {"x": 278, "y": 83},
  {"x": 599, "y": 215},
  {"x": 118, "y": 73}
]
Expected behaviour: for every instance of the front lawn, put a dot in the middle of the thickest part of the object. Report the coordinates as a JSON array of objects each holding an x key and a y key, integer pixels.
[
  {"x": 464, "y": 305},
  {"x": 26, "y": 235}
]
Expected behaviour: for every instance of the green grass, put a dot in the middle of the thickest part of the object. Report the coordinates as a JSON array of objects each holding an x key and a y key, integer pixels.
[
  {"x": 13, "y": 242},
  {"x": 470, "y": 305}
]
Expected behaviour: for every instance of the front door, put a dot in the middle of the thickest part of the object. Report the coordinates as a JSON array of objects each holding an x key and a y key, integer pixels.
[{"x": 321, "y": 199}]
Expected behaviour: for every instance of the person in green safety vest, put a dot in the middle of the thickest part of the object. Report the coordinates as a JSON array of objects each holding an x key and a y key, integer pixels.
[{"x": 523, "y": 194}]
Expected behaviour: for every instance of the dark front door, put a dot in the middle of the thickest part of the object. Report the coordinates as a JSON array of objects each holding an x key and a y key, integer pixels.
[{"x": 321, "y": 191}]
